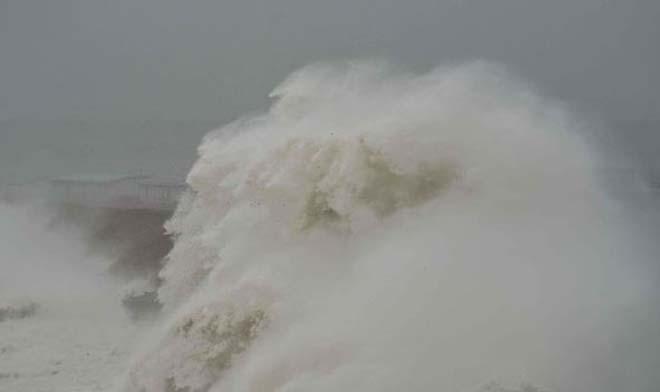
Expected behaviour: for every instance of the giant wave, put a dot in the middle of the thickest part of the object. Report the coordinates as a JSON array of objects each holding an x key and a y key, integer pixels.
[{"x": 377, "y": 230}]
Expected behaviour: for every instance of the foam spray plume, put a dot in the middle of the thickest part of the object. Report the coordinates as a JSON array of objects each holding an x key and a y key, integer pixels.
[{"x": 383, "y": 231}]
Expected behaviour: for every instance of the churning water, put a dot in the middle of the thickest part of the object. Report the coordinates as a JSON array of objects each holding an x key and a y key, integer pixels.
[
  {"x": 383, "y": 231},
  {"x": 376, "y": 230}
]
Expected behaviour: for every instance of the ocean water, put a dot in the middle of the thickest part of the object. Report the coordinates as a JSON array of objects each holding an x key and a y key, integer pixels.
[{"x": 377, "y": 230}]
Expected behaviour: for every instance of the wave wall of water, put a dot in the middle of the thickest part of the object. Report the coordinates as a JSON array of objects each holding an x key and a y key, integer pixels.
[{"x": 377, "y": 230}]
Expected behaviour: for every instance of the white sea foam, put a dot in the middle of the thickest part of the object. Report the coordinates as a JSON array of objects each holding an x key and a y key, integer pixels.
[
  {"x": 383, "y": 231},
  {"x": 62, "y": 327}
]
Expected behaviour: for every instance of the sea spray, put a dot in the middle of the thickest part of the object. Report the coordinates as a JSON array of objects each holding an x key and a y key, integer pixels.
[
  {"x": 62, "y": 327},
  {"x": 382, "y": 231}
]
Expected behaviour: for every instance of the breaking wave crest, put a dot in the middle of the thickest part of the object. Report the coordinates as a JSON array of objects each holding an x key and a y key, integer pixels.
[{"x": 383, "y": 231}]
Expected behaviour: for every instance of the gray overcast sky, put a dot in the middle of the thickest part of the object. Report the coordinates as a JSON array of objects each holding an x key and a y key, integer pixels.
[{"x": 125, "y": 85}]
